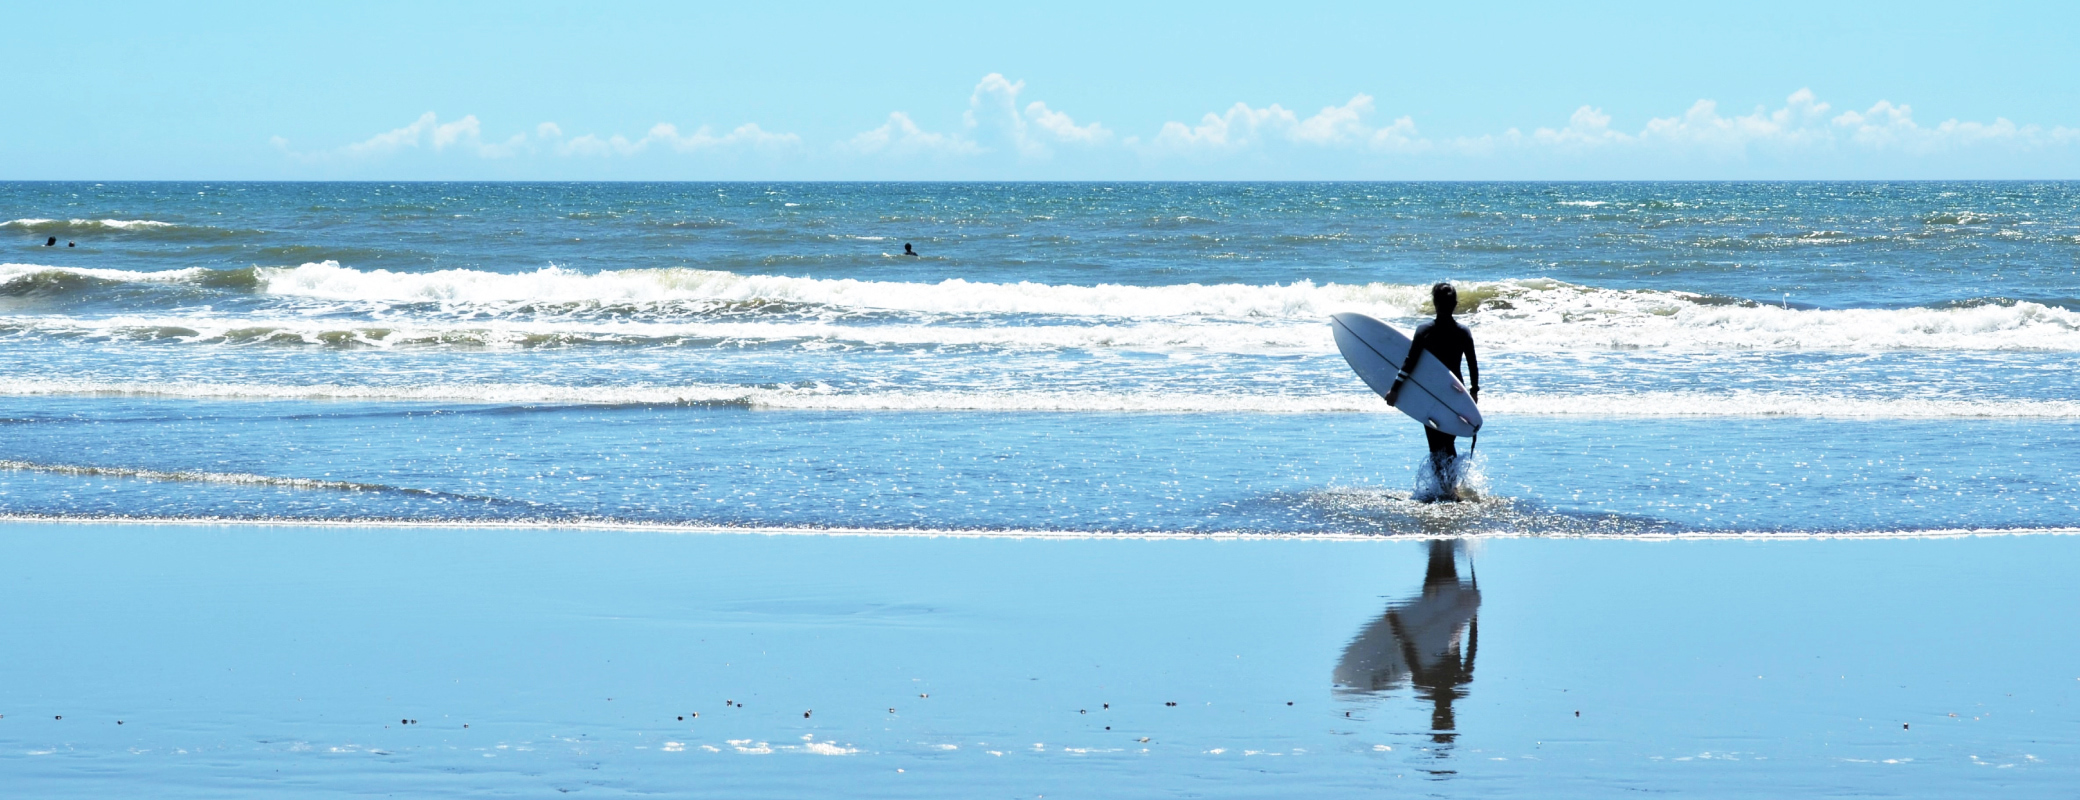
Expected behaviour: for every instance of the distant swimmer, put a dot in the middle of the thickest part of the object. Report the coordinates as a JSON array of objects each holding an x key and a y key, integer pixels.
[
  {"x": 1446, "y": 339},
  {"x": 71, "y": 244},
  {"x": 907, "y": 251},
  {"x": 51, "y": 242}
]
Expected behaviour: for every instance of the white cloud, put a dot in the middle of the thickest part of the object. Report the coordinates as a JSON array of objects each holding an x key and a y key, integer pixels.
[
  {"x": 1891, "y": 127},
  {"x": 665, "y": 134},
  {"x": 1242, "y": 127},
  {"x": 1062, "y": 128},
  {"x": 1801, "y": 125},
  {"x": 993, "y": 107},
  {"x": 1003, "y": 127},
  {"x": 428, "y": 133},
  {"x": 466, "y": 135},
  {"x": 901, "y": 136}
]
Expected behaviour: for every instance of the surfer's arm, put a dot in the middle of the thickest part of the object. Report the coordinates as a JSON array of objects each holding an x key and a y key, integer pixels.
[
  {"x": 1415, "y": 351},
  {"x": 1473, "y": 370}
]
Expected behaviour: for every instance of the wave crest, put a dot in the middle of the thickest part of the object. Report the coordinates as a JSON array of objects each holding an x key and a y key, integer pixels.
[
  {"x": 557, "y": 305},
  {"x": 555, "y": 285},
  {"x": 83, "y": 225}
]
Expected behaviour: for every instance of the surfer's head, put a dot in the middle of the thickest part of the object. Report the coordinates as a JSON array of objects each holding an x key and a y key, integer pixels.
[{"x": 1446, "y": 298}]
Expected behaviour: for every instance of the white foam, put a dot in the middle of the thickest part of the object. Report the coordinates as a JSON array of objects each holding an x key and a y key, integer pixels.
[
  {"x": 1528, "y": 313},
  {"x": 1643, "y": 405},
  {"x": 552, "y": 524},
  {"x": 1523, "y": 314},
  {"x": 10, "y": 272},
  {"x": 1562, "y": 316},
  {"x": 555, "y": 285},
  {"x": 116, "y": 224}
]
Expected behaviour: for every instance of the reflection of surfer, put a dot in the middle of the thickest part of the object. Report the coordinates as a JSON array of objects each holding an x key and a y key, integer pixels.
[
  {"x": 1446, "y": 339},
  {"x": 1428, "y": 640}
]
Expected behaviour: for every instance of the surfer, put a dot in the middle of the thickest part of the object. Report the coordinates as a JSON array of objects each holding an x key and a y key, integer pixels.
[
  {"x": 907, "y": 251},
  {"x": 1446, "y": 339}
]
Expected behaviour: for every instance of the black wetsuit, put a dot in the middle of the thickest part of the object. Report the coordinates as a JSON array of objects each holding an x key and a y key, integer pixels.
[{"x": 1447, "y": 342}]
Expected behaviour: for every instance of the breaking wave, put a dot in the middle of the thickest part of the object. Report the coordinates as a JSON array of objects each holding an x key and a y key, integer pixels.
[
  {"x": 558, "y": 286},
  {"x": 556, "y": 305},
  {"x": 83, "y": 225}
]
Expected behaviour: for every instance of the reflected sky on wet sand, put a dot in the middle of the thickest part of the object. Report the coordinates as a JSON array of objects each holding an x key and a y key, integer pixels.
[{"x": 253, "y": 660}]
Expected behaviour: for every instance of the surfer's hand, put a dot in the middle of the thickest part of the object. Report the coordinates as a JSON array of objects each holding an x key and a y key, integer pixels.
[{"x": 1394, "y": 395}]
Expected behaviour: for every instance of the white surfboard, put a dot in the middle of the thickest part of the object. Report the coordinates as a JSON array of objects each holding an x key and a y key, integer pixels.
[{"x": 1432, "y": 395}]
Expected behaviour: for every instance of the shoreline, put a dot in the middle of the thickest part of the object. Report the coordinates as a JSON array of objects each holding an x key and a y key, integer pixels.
[{"x": 936, "y": 533}]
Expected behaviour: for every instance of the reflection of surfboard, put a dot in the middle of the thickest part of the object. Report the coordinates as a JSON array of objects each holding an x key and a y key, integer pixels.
[
  {"x": 1432, "y": 395},
  {"x": 1423, "y": 637}
]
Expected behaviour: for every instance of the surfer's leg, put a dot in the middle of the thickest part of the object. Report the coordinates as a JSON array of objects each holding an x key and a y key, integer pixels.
[{"x": 1443, "y": 457}]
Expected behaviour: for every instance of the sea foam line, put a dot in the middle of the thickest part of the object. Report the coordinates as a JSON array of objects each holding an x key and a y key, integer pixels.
[
  {"x": 608, "y": 525},
  {"x": 1640, "y": 405},
  {"x": 230, "y": 478},
  {"x": 418, "y": 332}
]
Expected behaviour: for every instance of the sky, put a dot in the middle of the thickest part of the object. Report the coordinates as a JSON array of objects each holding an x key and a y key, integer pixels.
[{"x": 1043, "y": 91}]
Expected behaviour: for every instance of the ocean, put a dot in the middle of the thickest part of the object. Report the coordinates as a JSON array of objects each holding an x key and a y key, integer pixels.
[{"x": 1059, "y": 358}]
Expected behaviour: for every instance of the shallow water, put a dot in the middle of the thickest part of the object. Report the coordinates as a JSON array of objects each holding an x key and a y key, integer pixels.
[
  {"x": 261, "y": 661},
  {"x": 1704, "y": 357}
]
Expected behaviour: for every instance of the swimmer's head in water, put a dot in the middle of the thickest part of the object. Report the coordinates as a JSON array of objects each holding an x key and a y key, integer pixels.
[{"x": 1446, "y": 297}]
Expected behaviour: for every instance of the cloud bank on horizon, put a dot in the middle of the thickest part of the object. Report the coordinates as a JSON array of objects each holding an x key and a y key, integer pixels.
[{"x": 1004, "y": 134}]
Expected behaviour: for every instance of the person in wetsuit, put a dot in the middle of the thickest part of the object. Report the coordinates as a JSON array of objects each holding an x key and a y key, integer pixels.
[{"x": 1446, "y": 339}]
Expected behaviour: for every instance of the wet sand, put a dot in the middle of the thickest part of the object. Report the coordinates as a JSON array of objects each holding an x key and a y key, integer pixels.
[{"x": 193, "y": 660}]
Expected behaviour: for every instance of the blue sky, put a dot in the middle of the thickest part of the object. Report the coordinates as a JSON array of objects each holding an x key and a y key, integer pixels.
[{"x": 430, "y": 90}]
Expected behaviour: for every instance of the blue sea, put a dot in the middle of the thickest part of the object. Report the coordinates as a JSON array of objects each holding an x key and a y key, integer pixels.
[{"x": 1059, "y": 358}]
